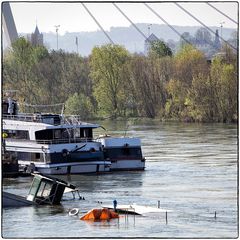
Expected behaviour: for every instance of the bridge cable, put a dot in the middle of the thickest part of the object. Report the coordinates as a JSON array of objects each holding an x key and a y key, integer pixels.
[
  {"x": 209, "y": 29},
  {"x": 221, "y": 12},
  {"x": 179, "y": 34},
  {"x": 99, "y": 25},
  {"x": 146, "y": 38}
]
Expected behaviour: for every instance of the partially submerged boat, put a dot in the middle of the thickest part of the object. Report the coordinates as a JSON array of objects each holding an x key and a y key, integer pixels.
[
  {"x": 136, "y": 209},
  {"x": 44, "y": 190}
]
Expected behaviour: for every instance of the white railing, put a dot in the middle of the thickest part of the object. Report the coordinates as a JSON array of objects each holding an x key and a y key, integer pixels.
[{"x": 45, "y": 118}]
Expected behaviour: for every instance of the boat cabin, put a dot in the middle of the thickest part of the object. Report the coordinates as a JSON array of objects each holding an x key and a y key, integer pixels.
[{"x": 46, "y": 190}]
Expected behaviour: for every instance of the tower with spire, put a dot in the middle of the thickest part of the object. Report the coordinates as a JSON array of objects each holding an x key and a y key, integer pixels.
[{"x": 36, "y": 38}]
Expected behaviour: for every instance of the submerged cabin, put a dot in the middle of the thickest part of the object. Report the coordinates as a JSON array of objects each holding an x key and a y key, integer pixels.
[{"x": 46, "y": 190}]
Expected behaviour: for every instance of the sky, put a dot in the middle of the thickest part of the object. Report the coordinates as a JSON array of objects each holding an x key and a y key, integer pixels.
[{"x": 72, "y": 17}]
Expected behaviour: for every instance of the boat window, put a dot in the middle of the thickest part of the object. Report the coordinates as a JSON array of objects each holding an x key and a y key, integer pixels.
[
  {"x": 86, "y": 133},
  {"x": 17, "y": 134},
  {"x": 57, "y": 134},
  {"x": 123, "y": 152},
  {"x": 44, "y": 134},
  {"x": 77, "y": 133},
  {"x": 66, "y": 133},
  {"x": 44, "y": 189},
  {"x": 34, "y": 187}
]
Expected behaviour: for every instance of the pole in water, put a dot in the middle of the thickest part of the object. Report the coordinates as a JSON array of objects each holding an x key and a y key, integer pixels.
[
  {"x": 166, "y": 218},
  {"x": 215, "y": 215},
  {"x": 158, "y": 203}
]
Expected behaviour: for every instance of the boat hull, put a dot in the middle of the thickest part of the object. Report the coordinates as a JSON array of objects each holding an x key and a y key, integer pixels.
[
  {"x": 69, "y": 168},
  {"x": 12, "y": 200},
  {"x": 127, "y": 164}
]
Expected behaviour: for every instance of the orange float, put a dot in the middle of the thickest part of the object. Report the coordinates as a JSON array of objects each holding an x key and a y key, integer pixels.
[{"x": 99, "y": 214}]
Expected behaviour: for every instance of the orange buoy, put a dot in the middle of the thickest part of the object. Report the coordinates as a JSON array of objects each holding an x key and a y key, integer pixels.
[{"x": 99, "y": 214}]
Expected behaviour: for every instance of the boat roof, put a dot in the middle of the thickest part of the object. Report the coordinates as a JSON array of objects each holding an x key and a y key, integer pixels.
[
  {"x": 22, "y": 125},
  {"x": 54, "y": 179}
]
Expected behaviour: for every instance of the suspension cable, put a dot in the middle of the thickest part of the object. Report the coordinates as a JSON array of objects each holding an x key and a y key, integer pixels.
[
  {"x": 209, "y": 29},
  {"x": 179, "y": 34},
  {"x": 146, "y": 38},
  {"x": 99, "y": 25},
  {"x": 221, "y": 12}
]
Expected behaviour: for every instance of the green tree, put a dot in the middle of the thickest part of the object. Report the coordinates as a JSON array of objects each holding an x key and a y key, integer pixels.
[
  {"x": 18, "y": 65},
  {"x": 107, "y": 64},
  {"x": 224, "y": 82},
  {"x": 160, "y": 49},
  {"x": 79, "y": 104},
  {"x": 148, "y": 78},
  {"x": 175, "y": 104},
  {"x": 188, "y": 63}
]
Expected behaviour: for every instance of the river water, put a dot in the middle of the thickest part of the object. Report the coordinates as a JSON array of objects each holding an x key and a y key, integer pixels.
[{"x": 192, "y": 169}]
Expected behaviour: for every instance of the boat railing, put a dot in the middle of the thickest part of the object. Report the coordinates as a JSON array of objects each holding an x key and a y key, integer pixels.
[
  {"x": 65, "y": 140},
  {"x": 53, "y": 141},
  {"x": 45, "y": 118},
  {"x": 25, "y": 117}
]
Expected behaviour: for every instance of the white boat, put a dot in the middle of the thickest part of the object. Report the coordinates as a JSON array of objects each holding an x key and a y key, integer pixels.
[
  {"x": 50, "y": 144},
  {"x": 125, "y": 153},
  {"x": 53, "y": 144}
]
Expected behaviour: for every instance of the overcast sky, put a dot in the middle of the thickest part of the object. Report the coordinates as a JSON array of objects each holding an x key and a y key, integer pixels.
[{"x": 72, "y": 17}]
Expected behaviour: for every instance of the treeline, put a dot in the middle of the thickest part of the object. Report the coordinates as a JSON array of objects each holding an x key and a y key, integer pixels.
[{"x": 113, "y": 83}]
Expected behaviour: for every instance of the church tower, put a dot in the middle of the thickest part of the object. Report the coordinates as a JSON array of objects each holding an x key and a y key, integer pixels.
[{"x": 36, "y": 38}]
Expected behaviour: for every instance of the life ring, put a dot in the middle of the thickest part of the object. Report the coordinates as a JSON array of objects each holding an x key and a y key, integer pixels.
[
  {"x": 73, "y": 212},
  {"x": 65, "y": 152}
]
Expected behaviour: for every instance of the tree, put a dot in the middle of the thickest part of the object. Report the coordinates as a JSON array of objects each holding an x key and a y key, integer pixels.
[
  {"x": 175, "y": 104},
  {"x": 18, "y": 68},
  {"x": 107, "y": 64},
  {"x": 203, "y": 36},
  {"x": 148, "y": 77},
  {"x": 189, "y": 62},
  {"x": 186, "y": 38},
  {"x": 79, "y": 104},
  {"x": 224, "y": 83},
  {"x": 160, "y": 49}
]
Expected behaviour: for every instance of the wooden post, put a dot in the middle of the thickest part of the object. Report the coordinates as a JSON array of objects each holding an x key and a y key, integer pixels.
[
  {"x": 215, "y": 215},
  {"x": 166, "y": 218},
  {"x": 158, "y": 203}
]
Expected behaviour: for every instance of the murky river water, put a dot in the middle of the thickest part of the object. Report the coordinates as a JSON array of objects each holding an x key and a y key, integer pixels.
[{"x": 190, "y": 168}]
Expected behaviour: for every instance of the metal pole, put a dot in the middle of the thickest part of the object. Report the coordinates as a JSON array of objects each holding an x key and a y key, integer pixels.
[
  {"x": 166, "y": 218},
  {"x": 57, "y": 28},
  {"x": 221, "y": 25}
]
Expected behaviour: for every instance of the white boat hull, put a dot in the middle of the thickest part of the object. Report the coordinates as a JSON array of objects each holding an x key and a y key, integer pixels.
[
  {"x": 70, "y": 168},
  {"x": 127, "y": 164}
]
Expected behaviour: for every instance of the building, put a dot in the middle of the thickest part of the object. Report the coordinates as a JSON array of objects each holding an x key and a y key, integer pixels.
[
  {"x": 217, "y": 43},
  {"x": 147, "y": 44},
  {"x": 36, "y": 38}
]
